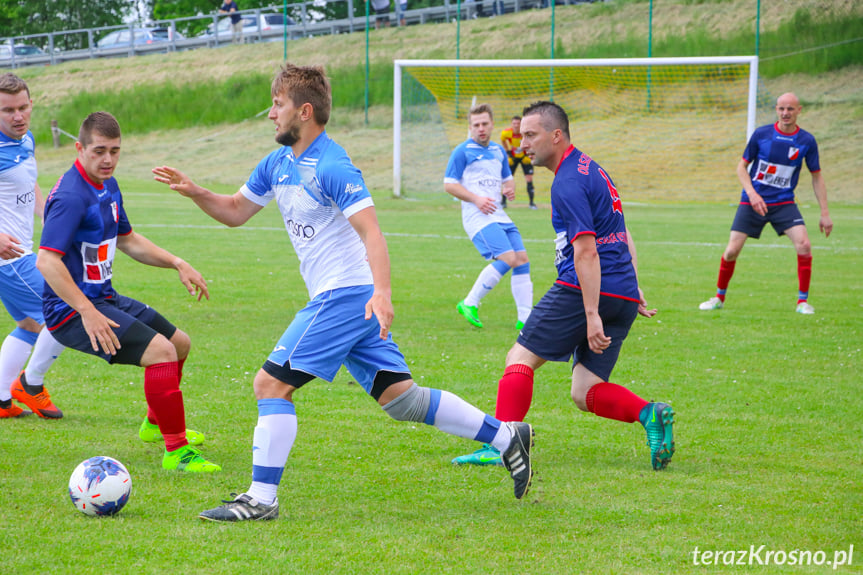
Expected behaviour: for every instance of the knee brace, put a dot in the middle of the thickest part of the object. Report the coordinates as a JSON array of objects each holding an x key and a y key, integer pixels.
[{"x": 412, "y": 405}]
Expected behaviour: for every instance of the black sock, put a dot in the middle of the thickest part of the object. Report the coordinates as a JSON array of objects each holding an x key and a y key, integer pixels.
[
  {"x": 30, "y": 389},
  {"x": 530, "y": 191}
]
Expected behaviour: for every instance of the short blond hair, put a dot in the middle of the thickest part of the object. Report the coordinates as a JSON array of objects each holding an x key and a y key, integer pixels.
[
  {"x": 481, "y": 109},
  {"x": 12, "y": 84}
]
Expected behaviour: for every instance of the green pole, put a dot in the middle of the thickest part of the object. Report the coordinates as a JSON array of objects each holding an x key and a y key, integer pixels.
[
  {"x": 551, "y": 72},
  {"x": 285, "y": 37},
  {"x": 457, "y": 49},
  {"x": 367, "y": 62},
  {"x": 649, "y": 49},
  {"x": 757, "y": 27}
]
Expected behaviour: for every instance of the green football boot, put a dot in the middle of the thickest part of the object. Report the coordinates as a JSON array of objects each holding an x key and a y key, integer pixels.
[
  {"x": 469, "y": 312},
  {"x": 149, "y": 433},
  {"x": 486, "y": 455},
  {"x": 658, "y": 420}
]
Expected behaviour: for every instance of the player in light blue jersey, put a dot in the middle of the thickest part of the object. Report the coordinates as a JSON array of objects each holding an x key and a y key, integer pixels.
[
  {"x": 478, "y": 174},
  {"x": 333, "y": 226},
  {"x": 769, "y": 171},
  {"x": 20, "y": 282}
]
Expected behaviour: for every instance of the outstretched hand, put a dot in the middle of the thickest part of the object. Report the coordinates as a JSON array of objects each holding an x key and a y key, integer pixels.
[
  {"x": 175, "y": 179},
  {"x": 193, "y": 280}
]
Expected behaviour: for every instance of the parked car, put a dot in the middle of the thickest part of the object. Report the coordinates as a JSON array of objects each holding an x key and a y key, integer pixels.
[
  {"x": 23, "y": 52},
  {"x": 272, "y": 27},
  {"x": 142, "y": 37}
]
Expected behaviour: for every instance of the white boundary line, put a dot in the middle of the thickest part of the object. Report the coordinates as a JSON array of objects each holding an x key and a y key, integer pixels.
[{"x": 526, "y": 240}]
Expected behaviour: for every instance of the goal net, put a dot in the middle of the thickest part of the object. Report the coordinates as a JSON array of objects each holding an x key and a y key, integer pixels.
[{"x": 663, "y": 128}]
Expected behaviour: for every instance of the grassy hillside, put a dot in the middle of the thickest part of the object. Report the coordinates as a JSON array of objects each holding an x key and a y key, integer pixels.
[{"x": 207, "y": 99}]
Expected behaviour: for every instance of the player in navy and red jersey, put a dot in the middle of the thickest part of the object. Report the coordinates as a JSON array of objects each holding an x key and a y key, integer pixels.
[
  {"x": 85, "y": 222},
  {"x": 588, "y": 311},
  {"x": 769, "y": 171}
]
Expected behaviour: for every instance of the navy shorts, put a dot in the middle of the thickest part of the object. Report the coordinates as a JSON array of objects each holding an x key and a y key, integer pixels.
[
  {"x": 557, "y": 329},
  {"x": 781, "y": 217},
  {"x": 524, "y": 162},
  {"x": 139, "y": 324}
]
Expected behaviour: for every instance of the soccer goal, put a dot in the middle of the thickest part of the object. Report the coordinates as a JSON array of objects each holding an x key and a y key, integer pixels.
[{"x": 664, "y": 128}]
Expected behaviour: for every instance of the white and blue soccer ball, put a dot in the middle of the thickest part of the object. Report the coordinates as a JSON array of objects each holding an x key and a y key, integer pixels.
[{"x": 100, "y": 486}]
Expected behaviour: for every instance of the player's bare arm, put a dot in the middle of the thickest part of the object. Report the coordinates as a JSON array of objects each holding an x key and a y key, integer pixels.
[
  {"x": 232, "y": 211},
  {"x": 10, "y": 247},
  {"x": 825, "y": 224},
  {"x": 642, "y": 303},
  {"x": 365, "y": 222},
  {"x": 143, "y": 250},
  {"x": 586, "y": 261},
  {"x": 97, "y": 326},
  {"x": 485, "y": 205},
  {"x": 755, "y": 199},
  {"x": 39, "y": 204}
]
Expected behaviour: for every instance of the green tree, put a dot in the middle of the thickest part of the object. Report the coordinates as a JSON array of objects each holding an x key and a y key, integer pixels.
[{"x": 21, "y": 17}]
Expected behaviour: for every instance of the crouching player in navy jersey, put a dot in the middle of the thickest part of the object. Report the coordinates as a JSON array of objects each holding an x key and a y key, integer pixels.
[
  {"x": 588, "y": 311},
  {"x": 769, "y": 171},
  {"x": 332, "y": 223},
  {"x": 85, "y": 222}
]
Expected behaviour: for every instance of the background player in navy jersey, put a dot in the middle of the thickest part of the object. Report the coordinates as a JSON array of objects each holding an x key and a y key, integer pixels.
[
  {"x": 588, "y": 311},
  {"x": 478, "y": 174},
  {"x": 333, "y": 226},
  {"x": 769, "y": 171},
  {"x": 85, "y": 222},
  {"x": 20, "y": 281}
]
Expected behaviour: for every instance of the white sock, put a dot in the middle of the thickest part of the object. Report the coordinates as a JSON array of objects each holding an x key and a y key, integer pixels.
[
  {"x": 46, "y": 350},
  {"x": 485, "y": 282},
  {"x": 274, "y": 437},
  {"x": 522, "y": 293},
  {"x": 457, "y": 417},
  {"x": 13, "y": 355}
]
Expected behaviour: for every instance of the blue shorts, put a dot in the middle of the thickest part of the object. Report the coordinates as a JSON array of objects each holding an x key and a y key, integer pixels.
[
  {"x": 21, "y": 289},
  {"x": 781, "y": 217},
  {"x": 139, "y": 324},
  {"x": 495, "y": 239},
  {"x": 332, "y": 331},
  {"x": 557, "y": 329}
]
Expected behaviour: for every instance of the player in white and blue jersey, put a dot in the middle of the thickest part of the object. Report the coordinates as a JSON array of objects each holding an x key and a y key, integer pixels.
[
  {"x": 769, "y": 171},
  {"x": 588, "y": 312},
  {"x": 478, "y": 174},
  {"x": 331, "y": 220},
  {"x": 20, "y": 281}
]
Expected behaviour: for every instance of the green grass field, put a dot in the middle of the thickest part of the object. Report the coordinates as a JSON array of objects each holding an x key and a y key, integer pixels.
[{"x": 768, "y": 426}]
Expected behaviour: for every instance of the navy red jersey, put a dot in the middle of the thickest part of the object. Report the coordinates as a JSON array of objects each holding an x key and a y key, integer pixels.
[
  {"x": 776, "y": 158},
  {"x": 82, "y": 222},
  {"x": 585, "y": 201}
]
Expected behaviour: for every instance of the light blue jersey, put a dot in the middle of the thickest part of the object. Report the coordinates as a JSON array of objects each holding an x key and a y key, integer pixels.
[
  {"x": 316, "y": 194},
  {"x": 482, "y": 170},
  {"x": 17, "y": 189}
]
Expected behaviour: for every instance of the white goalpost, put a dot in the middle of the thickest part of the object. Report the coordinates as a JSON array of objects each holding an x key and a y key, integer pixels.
[{"x": 664, "y": 127}]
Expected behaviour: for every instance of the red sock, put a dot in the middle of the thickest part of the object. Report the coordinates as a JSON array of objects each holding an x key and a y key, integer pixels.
[
  {"x": 514, "y": 393},
  {"x": 151, "y": 416},
  {"x": 726, "y": 270},
  {"x": 614, "y": 401},
  {"x": 804, "y": 275},
  {"x": 164, "y": 398}
]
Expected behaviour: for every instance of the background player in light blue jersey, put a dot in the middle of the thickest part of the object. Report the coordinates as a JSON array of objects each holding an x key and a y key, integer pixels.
[
  {"x": 333, "y": 226},
  {"x": 769, "y": 171},
  {"x": 20, "y": 282},
  {"x": 478, "y": 174}
]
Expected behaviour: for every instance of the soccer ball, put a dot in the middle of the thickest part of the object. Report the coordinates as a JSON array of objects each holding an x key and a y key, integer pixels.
[{"x": 100, "y": 486}]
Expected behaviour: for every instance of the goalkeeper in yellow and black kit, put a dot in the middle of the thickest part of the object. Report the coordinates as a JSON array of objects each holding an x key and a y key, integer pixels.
[{"x": 510, "y": 138}]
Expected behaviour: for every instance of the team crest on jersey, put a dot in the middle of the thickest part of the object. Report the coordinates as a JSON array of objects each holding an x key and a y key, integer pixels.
[
  {"x": 793, "y": 153},
  {"x": 98, "y": 261},
  {"x": 115, "y": 212}
]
